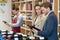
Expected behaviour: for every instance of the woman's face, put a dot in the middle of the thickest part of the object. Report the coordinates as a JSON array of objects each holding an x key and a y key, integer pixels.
[{"x": 38, "y": 10}]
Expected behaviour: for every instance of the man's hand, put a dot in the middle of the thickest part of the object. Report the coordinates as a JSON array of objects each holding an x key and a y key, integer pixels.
[
  {"x": 35, "y": 31},
  {"x": 6, "y": 22}
]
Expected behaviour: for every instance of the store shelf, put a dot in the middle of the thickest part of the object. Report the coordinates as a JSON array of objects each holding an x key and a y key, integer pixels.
[
  {"x": 59, "y": 11},
  {"x": 27, "y": 8}
]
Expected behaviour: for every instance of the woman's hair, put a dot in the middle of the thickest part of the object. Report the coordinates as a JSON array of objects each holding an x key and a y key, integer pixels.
[
  {"x": 35, "y": 9},
  {"x": 36, "y": 5}
]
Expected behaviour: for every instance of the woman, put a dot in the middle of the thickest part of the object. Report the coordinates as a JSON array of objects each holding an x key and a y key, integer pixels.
[{"x": 39, "y": 18}]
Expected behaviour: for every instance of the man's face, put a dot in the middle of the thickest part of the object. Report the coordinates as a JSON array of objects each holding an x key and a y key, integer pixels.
[
  {"x": 44, "y": 10},
  {"x": 14, "y": 12},
  {"x": 38, "y": 10}
]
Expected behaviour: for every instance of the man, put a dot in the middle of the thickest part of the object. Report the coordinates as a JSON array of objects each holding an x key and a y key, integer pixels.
[
  {"x": 17, "y": 20},
  {"x": 50, "y": 26}
]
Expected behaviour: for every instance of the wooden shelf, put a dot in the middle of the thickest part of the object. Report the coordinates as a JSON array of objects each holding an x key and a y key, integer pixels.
[
  {"x": 29, "y": 0},
  {"x": 15, "y": 2},
  {"x": 23, "y": 11},
  {"x": 58, "y": 24},
  {"x": 25, "y": 30},
  {"x": 27, "y": 8},
  {"x": 59, "y": 11},
  {"x": 28, "y": 20},
  {"x": 22, "y": 1}
]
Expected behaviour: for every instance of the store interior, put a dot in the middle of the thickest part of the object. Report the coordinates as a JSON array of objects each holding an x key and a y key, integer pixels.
[{"x": 26, "y": 7}]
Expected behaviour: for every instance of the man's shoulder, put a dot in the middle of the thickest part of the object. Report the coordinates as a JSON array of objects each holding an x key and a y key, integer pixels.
[
  {"x": 52, "y": 14},
  {"x": 20, "y": 15},
  {"x": 52, "y": 17}
]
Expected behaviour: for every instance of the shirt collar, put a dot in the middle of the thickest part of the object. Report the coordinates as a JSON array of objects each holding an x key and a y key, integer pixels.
[{"x": 48, "y": 13}]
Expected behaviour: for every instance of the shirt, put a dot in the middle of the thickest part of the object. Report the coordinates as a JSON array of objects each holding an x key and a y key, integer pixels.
[
  {"x": 48, "y": 13},
  {"x": 19, "y": 20},
  {"x": 39, "y": 21}
]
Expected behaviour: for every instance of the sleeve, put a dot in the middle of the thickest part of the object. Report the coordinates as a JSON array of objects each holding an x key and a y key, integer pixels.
[
  {"x": 49, "y": 28},
  {"x": 19, "y": 20},
  {"x": 0, "y": 35}
]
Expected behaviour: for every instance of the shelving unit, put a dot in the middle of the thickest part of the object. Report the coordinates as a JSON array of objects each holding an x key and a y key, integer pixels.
[
  {"x": 59, "y": 16},
  {"x": 59, "y": 11},
  {"x": 26, "y": 7}
]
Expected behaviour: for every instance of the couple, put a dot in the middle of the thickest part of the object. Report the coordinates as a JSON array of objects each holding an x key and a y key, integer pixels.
[{"x": 49, "y": 28}]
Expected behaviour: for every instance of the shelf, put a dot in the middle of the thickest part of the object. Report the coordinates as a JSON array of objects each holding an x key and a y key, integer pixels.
[
  {"x": 59, "y": 4},
  {"x": 22, "y": 1},
  {"x": 59, "y": 18},
  {"x": 25, "y": 30},
  {"x": 28, "y": 20},
  {"x": 29, "y": 0},
  {"x": 58, "y": 24},
  {"x": 26, "y": 7},
  {"x": 23, "y": 11},
  {"x": 59, "y": 11},
  {"x": 28, "y": 10},
  {"x": 38, "y": 0},
  {"x": 15, "y": 2}
]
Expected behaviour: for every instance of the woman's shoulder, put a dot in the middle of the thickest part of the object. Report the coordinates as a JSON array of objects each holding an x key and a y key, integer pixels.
[{"x": 43, "y": 16}]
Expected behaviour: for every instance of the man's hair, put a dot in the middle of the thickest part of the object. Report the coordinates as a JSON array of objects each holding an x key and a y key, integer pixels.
[
  {"x": 46, "y": 5},
  {"x": 15, "y": 8}
]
